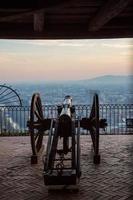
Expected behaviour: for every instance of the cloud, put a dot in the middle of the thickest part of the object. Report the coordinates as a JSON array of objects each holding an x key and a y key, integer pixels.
[
  {"x": 59, "y": 43},
  {"x": 7, "y": 57},
  {"x": 77, "y": 44},
  {"x": 118, "y": 45},
  {"x": 43, "y": 42},
  {"x": 104, "y": 43},
  {"x": 127, "y": 53}
]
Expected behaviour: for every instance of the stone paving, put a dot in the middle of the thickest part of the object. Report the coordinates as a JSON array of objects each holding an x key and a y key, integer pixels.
[{"x": 112, "y": 179}]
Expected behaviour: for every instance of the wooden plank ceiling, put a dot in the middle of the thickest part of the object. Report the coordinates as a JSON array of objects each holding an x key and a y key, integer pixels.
[{"x": 66, "y": 19}]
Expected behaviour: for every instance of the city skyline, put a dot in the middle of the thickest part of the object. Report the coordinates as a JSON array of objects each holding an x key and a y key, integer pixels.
[{"x": 47, "y": 60}]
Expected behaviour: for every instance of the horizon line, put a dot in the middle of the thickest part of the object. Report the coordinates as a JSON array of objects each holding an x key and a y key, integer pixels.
[{"x": 61, "y": 80}]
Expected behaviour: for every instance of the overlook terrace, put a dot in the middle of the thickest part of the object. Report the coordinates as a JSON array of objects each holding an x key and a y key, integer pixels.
[{"x": 111, "y": 180}]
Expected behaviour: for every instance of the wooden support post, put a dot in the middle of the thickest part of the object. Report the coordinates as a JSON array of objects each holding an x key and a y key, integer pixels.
[{"x": 39, "y": 21}]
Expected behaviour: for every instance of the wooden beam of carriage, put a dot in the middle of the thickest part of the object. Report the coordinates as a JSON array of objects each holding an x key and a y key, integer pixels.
[{"x": 107, "y": 12}]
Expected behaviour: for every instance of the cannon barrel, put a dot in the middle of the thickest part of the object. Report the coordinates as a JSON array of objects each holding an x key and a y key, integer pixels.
[
  {"x": 65, "y": 118},
  {"x": 66, "y": 107}
]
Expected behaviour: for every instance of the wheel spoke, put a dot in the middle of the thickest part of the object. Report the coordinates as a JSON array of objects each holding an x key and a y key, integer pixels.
[
  {"x": 37, "y": 115},
  {"x": 39, "y": 141},
  {"x": 39, "y": 108},
  {"x": 36, "y": 136}
]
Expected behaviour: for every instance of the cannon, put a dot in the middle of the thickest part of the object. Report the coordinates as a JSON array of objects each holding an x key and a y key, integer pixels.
[{"x": 62, "y": 160}]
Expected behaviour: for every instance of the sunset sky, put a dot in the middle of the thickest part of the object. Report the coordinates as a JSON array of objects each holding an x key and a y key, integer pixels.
[{"x": 40, "y": 60}]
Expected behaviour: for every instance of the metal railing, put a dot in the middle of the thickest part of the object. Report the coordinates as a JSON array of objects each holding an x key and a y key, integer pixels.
[{"x": 13, "y": 120}]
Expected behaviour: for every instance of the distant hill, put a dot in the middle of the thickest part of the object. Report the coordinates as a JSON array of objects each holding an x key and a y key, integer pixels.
[{"x": 110, "y": 80}]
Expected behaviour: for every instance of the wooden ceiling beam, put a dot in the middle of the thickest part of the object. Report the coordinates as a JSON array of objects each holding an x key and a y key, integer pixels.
[
  {"x": 34, "y": 4},
  {"x": 71, "y": 34},
  {"x": 9, "y": 18},
  {"x": 39, "y": 8},
  {"x": 4, "y": 10},
  {"x": 25, "y": 8},
  {"x": 108, "y": 11}
]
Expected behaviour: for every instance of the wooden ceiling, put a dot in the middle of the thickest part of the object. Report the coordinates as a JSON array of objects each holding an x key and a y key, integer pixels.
[{"x": 66, "y": 19}]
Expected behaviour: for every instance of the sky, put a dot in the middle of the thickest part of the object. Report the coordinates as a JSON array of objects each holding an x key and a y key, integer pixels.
[{"x": 49, "y": 60}]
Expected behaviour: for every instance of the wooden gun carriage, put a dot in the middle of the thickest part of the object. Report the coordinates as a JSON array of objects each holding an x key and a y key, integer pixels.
[{"x": 62, "y": 161}]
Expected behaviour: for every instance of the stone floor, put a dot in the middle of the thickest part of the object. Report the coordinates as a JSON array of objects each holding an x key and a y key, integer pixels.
[{"x": 112, "y": 179}]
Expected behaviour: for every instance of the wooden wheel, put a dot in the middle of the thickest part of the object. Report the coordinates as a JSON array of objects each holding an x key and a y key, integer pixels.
[{"x": 36, "y": 134}]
